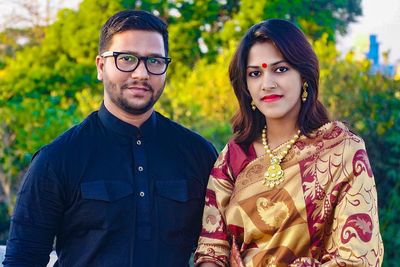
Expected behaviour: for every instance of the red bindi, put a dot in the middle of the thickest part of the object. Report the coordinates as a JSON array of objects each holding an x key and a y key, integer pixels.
[{"x": 264, "y": 65}]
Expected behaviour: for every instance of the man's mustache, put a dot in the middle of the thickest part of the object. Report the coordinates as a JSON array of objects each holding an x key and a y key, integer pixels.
[{"x": 138, "y": 84}]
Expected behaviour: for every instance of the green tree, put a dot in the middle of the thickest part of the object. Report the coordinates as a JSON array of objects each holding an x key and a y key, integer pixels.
[
  {"x": 203, "y": 100},
  {"x": 45, "y": 88}
]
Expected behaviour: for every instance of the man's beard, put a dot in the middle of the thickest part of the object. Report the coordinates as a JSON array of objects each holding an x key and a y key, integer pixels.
[{"x": 116, "y": 96}]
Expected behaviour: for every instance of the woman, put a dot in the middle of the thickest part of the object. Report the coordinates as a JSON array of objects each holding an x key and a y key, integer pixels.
[{"x": 291, "y": 188}]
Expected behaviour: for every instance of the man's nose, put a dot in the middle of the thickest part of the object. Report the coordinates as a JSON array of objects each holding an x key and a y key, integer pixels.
[{"x": 141, "y": 72}]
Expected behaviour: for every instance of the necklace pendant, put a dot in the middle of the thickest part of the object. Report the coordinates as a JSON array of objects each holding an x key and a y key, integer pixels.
[{"x": 274, "y": 174}]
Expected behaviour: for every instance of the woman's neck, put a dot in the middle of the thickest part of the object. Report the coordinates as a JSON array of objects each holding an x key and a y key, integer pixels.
[{"x": 279, "y": 132}]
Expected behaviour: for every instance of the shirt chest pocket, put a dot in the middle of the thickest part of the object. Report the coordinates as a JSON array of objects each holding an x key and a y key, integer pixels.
[
  {"x": 105, "y": 202},
  {"x": 179, "y": 210}
]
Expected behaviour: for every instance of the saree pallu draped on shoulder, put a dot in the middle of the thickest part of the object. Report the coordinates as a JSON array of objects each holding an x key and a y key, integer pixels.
[{"x": 325, "y": 211}]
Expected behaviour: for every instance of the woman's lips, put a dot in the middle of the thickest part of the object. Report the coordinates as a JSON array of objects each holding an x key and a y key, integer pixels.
[{"x": 271, "y": 98}]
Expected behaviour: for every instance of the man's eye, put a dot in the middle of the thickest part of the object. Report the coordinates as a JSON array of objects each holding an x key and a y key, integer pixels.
[
  {"x": 127, "y": 58},
  {"x": 282, "y": 69},
  {"x": 254, "y": 73},
  {"x": 154, "y": 61}
]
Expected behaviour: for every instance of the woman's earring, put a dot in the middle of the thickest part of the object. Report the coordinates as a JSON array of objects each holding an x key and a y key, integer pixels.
[
  {"x": 305, "y": 93},
  {"x": 253, "y": 106}
]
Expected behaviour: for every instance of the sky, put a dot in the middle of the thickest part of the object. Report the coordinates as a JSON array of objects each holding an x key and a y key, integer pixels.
[
  {"x": 8, "y": 8},
  {"x": 380, "y": 17}
]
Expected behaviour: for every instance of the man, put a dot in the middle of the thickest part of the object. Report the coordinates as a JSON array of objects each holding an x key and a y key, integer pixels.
[{"x": 126, "y": 186}]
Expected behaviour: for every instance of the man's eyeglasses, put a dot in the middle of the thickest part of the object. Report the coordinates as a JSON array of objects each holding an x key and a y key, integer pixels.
[{"x": 127, "y": 62}]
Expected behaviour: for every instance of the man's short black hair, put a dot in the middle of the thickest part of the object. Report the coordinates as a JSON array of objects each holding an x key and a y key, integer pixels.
[{"x": 131, "y": 20}]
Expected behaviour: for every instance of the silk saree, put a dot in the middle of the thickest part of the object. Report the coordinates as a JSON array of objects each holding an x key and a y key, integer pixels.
[{"x": 324, "y": 213}]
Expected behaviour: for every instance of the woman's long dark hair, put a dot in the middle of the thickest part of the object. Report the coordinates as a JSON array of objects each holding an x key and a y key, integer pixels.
[{"x": 297, "y": 51}]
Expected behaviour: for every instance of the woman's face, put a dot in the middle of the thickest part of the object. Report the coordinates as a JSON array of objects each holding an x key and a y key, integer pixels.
[{"x": 274, "y": 85}]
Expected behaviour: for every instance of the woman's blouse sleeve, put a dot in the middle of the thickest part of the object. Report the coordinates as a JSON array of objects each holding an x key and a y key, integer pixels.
[
  {"x": 213, "y": 243},
  {"x": 353, "y": 238}
]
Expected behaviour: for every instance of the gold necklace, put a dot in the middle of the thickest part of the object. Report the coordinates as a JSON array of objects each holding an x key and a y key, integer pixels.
[{"x": 274, "y": 174}]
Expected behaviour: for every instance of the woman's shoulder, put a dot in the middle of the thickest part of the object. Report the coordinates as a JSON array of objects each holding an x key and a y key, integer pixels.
[
  {"x": 336, "y": 144},
  {"x": 337, "y": 131},
  {"x": 236, "y": 156},
  {"x": 333, "y": 138},
  {"x": 337, "y": 139}
]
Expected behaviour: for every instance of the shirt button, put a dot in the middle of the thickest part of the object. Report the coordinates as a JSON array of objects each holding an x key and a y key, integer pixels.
[
  {"x": 141, "y": 194},
  {"x": 140, "y": 168},
  {"x": 138, "y": 142}
]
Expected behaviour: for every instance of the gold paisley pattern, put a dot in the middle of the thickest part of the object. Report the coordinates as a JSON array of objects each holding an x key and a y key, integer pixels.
[
  {"x": 212, "y": 220},
  {"x": 273, "y": 214}
]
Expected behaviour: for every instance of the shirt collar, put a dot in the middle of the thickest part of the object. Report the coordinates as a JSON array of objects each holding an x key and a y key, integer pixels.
[{"x": 114, "y": 124}]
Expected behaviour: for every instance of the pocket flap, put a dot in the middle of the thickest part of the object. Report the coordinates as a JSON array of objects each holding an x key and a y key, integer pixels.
[
  {"x": 105, "y": 190},
  {"x": 179, "y": 190}
]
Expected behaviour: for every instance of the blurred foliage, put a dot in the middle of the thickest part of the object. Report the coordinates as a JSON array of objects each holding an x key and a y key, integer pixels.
[{"x": 49, "y": 83}]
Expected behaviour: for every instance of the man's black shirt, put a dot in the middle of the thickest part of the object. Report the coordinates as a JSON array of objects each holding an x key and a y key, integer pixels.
[{"x": 113, "y": 195}]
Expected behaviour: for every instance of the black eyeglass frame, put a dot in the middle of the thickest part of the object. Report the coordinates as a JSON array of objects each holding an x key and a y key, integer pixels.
[{"x": 144, "y": 59}]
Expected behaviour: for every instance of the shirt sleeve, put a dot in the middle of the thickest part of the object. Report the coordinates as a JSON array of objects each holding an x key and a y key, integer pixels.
[
  {"x": 36, "y": 216},
  {"x": 354, "y": 238},
  {"x": 213, "y": 245}
]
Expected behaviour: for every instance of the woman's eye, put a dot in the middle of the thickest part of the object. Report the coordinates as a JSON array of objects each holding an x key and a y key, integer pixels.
[
  {"x": 281, "y": 69},
  {"x": 254, "y": 73}
]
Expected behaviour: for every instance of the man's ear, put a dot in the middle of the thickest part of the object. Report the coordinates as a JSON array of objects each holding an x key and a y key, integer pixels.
[{"x": 100, "y": 66}]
